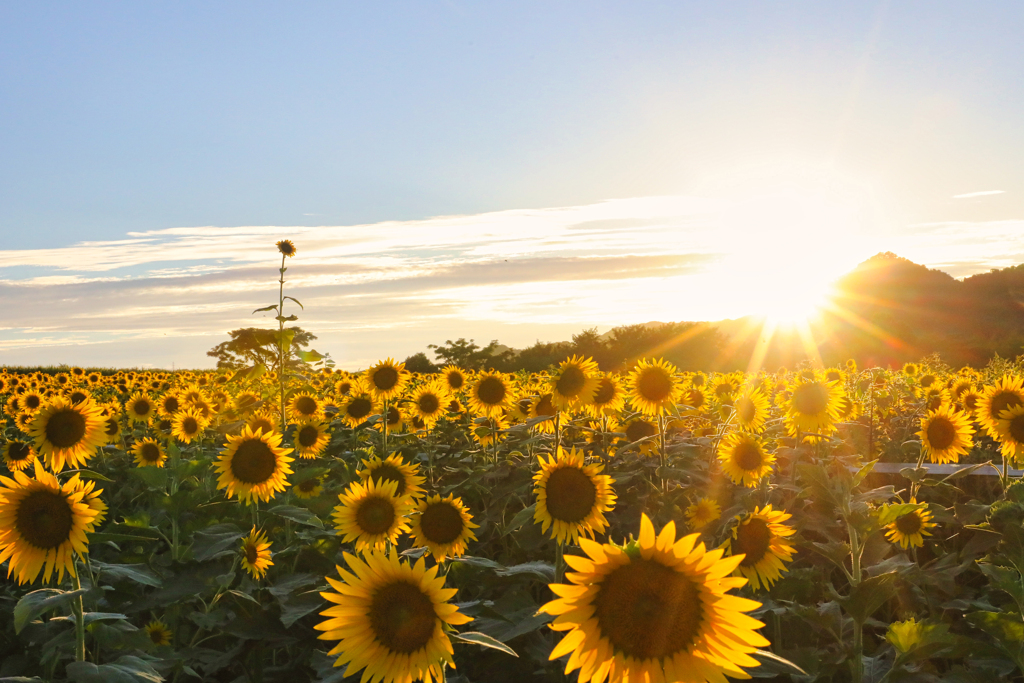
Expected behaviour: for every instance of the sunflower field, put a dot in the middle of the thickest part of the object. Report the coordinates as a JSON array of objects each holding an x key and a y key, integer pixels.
[{"x": 311, "y": 524}]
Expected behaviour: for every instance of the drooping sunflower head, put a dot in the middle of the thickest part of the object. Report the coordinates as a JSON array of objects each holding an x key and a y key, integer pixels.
[
  {"x": 386, "y": 379},
  {"x": 158, "y": 632},
  {"x": 760, "y": 536},
  {"x": 407, "y": 478},
  {"x": 149, "y": 453},
  {"x": 653, "y": 387},
  {"x": 702, "y": 512},
  {"x": 286, "y": 248},
  {"x": 18, "y": 455},
  {"x": 658, "y": 609},
  {"x": 490, "y": 394},
  {"x": 42, "y": 524},
  {"x": 1006, "y": 393},
  {"x": 390, "y": 618},
  {"x": 67, "y": 434},
  {"x": 372, "y": 514},
  {"x": 745, "y": 459},
  {"x": 946, "y": 434},
  {"x": 572, "y": 497},
  {"x": 444, "y": 525},
  {"x": 311, "y": 438},
  {"x": 253, "y": 466},
  {"x": 256, "y": 554},
  {"x": 574, "y": 382}
]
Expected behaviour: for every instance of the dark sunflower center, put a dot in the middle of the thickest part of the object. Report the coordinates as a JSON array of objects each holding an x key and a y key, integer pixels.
[
  {"x": 491, "y": 391},
  {"x": 253, "y": 462},
  {"x": 385, "y": 378},
  {"x": 605, "y": 392},
  {"x": 654, "y": 385},
  {"x": 77, "y": 397},
  {"x": 190, "y": 426},
  {"x": 833, "y": 376},
  {"x": 308, "y": 486},
  {"x": 65, "y": 428},
  {"x": 941, "y": 433},
  {"x": 306, "y": 405},
  {"x": 44, "y": 519},
  {"x": 723, "y": 391},
  {"x": 638, "y": 429},
  {"x": 308, "y": 436},
  {"x": 570, "y": 494},
  {"x": 18, "y": 450},
  {"x": 402, "y": 617},
  {"x": 387, "y": 472},
  {"x": 33, "y": 401},
  {"x": 909, "y": 524},
  {"x": 745, "y": 409},
  {"x": 647, "y": 610},
  {"x": 571, "y": 382},
  {"x": 359, "y": 408},
  {"x": 375, "y": 515},
  {"x": 1017, "y": 428},
  {"x": 428, "y": 404},
  {"x": 753, "y": 539},
  {"x": 111, "y": 426},
  {"x": 157, "y": 636},
  {"x": 810, "y": 399},
  {"x": 927, "y": 380},
  {"x": 456, "y": 380},
  {"x": 1002, "y": 401},
  {"x": 142, "y": 408},
  {"x": 171, "y": 404},
  {"x": 394, "y": 416},
  {"x": 441, "y": 523},
  {"x": 251, "y": 554},
  {"x": 747, "y": 456},
  {"x": 150, "y": 452},
  {"x": 695, "y": 398},
  {"x": 545, "y": 406}
]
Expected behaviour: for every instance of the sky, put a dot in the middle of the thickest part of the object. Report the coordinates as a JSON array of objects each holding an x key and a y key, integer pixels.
[{"x": 512, "y": 171}]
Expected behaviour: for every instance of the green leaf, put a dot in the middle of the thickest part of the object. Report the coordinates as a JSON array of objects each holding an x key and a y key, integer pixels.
[
  {"x": 1006, "y": 628},
  {"x": 88, "y": 474},
  {"x": 888, "y": 514},
  {"x": 776, "y": 664},
  {"x": 271, "y": 307},
  {"x": 90, "y": 617},
  {"x": 483, "y": 640},
  {"x": 139, "y": 573},
  {"x": 521, "y": 518},
  {"x": 310, "y": 356},
  {"x": 296, "y": 301},
  {"x": 127, "y": 669},
  {"x": 39, "y": 602},
  {"x": 869, "y": 595},
  {"x": 296, "y": 514},
  {"x": 105, "y": 536},
  {"x": 216, "y": 540},
  {"x": 541, "y": 570},
  {"x": 863, "y": 472},
  {"x": 297, "y": 606},
  {"x": 154, "y": 477}
]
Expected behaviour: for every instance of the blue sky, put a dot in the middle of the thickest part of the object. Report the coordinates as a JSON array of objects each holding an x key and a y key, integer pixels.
[{"x": 127, "y": 118}]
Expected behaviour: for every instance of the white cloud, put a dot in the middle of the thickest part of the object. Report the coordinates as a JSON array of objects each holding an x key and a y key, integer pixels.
[{"x": 983, "y": 193}]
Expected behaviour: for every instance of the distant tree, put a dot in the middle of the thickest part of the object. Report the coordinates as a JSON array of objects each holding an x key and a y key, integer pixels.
[
  {"x": 418, "y": 362},
  {"x": 590, "y": 344},
  {"x": 251, "y": 345},
  {"x": 469, "y": 355}
]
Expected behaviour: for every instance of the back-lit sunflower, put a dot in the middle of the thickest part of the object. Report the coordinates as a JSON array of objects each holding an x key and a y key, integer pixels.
[
  {"x": 487, "y": 430},
  {"x": 744, "y": 459},
  {"x": 169, "y": 404},
  {"x": 77, "y": 394},
  {"x": 657, "y": 609},
  {"x": 608, "y": 398},
  {"x": 23, "y": 421},
  {"x": 946, "y": 435},
  {"x": 386, "y": 379},
  {"x": 188, "y": 425},
  {"x": 311, "y": 438},
  {"x": 245, "y": 402},
  {"x": 444, "y": 525},
  {"x": 638, "y": 428},
  {"x": 751, "y": 410},
  {"x": 694, "y": 397},
  {"x": 390, "y": 618},
  {"x": 428, "y": 402},
  {"x": 702, "y": 512},
  {"x": 253, "y": 466},
  {"x": 1010, "y": 427},
  {"x": 760, "y": 536},
  {"x": 158, "y": 632},
  {"x": 263, "y": 419},
  {"x": 67, "y": 434},
  {"x": 543, "y": 406},
  {"x": 42, "y": 525},
  {"x": 91, "y": 497},
  {"x": 813, "y": 406},
  {"x": 308, "y": 488},
  {"x": 394, "y": 420},
  {"x": 305, "y": 406},
  {"x": 653, "y": 387},
  {"x": 407, "y": 477},
  {"x": 140, "y": 408},
  {"x": 909, "y": 529},
  {"x": 31, "y": 402},
  {"x": 1006, "y": 393},
  {"x": 372, "y": 514},
  {"x": 358, "y": 408},
  {"x": 256, "y": 554},
  {"x": 572, "y": 497},
  {"x": 454, "y": 377},
  {"x": 574, "y": 382},
  {"x": 490, "y": 394},
  {"x": 286, "y": 248},
  {"x": 149, "y": 453},
  {"x": 18, "y": 455}
]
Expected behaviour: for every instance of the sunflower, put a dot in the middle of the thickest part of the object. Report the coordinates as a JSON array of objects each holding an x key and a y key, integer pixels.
[
  {"x": 429, "y": 401},
  {"x": 23, "y": 420},
  {"x": 724, "y": 388},
  {"x": 394, "y": 420},
  {"x": 140, "y": 408},
  {"x": 574, "y": 382},
  {"x": 910, "y": 529},
  {"x": 760, "y": 537},
  {"x": 701, "y": 513},
  {"x": 308, "y": 488},
  {"x": 970, "y": 400},
  {"x": 158, "y": 632},
  {"x": 657, "y": 609},
  {"x": 358, "y": 408},
  {"x": 187, "y": 425},
  {"x": 543, "y": 406},
  {"x": 305, "y": 406},
  {"x": 454, "y": 377},
  {"x": 18, "y": 455},
  {"x": 813, "y": 406},
  {"x": 67, "y": 434},
  {"x": 169, "y": 404},
  {"x": 386, "y": 379},
  {"x": 1006, "y": 393},
  {"x": 444, "y": 525},
  {"x": 744, "y": 459},
  {"x": 694, "y": 397},
  {"x": 286, "y": 247},
  {"x": 245, "y": 402},
  {"x": 311, "y": 438},
  {"x": 653, "y": 388},
  {"x": 42, "y": 524},
  {"x": 31, "y": 401},
  {"x": 407, "y": 478},
  {"x": 149, "y": 453},
  {"x": 751, "y": 410},
  {"x": 486, "y": 430},
  {"x": 946, "y": 435},
  {"x": 1010, "y": 427},
  {"x": 572, "y": 497},
  {"x": 609, "y": 398},
  {"x": 639, "y": 428},
  {"x": 263, "y": 419},
  {"x": 256, "y": 554},
  {"x": 372, "y": 514},
  {"x": 390, "y": 619},
  {"x": 77, "y": 395},
  {"x": 92, "y": 498},
  {"x": 253, "y": 466},
  {"x": 490, "y": 394}
]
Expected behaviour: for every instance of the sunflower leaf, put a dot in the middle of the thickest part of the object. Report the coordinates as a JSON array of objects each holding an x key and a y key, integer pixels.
[
  {"x": 126, "y": 669},
  {"x": 524, "y": 516},
  {"x": 781, "y": 664},
  {"x": 296, "y": 301},
  {"x": 39, "y": 602},
  {"x": 271, "y": 307},
  {"x": 483, "y": 640},
  {"x": 888, "y": 514},
  {"x": 215, "y": 540},
  {"x": 300, "y": 515}
]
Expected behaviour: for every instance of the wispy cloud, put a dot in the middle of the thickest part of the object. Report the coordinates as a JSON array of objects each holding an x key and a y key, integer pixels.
[
  {"x": 983, "y": 193},
  {"x": 166, "y": 296}
]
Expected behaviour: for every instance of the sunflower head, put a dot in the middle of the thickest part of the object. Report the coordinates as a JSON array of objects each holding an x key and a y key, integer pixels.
[
  {"x": 1010, "y": 427},
  {"x": 653, "y": 387},
  {"x": 386, "y": 379},
  {"x": 910, "y": 527},
  {"x": 286, "y": 248},
  {"x": 253, "y": 466},
  {"x": 490, "y": 394},
  {"x": 67, "y": 434},
  {"x": 372, "y": 514},
  {"x": 443, "y": 525},
  {"x": 149, "y": 453},
  {"x": 158, "y": 632},
  {"x": 702, "y": 512},
  {"x": 311, "y": 438},
  {"x": 256, "y": 554},
  {"x": 407, "y": 478},
  {"x": 574, "y": 382},
  {"x": 18, "y": 455},
  {"x": 946, "y": 434},
  {"x": 308, "y": 488},
  {"x": 744, "y": 458},
  {"x": 572, "y": 497},
  {"x": 760, "y": 537}
]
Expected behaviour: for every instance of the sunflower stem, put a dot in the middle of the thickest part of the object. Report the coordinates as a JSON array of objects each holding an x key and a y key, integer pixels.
[
  {"x": 79, "y": 612},
  {"x": 662, "y": 453},
  {"x": 559, "y": 561},
  {"x": 280, "y": 342}
]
